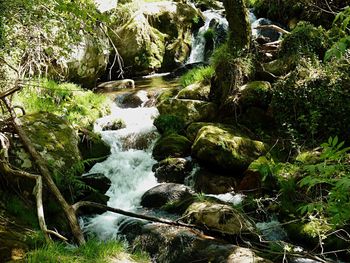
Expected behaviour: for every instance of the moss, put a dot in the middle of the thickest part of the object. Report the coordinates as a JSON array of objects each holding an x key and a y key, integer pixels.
[
  {"x": 196, "y": 91},
  {"x": 168, "y": 123},
  {"x": 226, "y": 148},
  {"x": 171, "y": 145},
  {"x": 255, "y": 94},
  {"x": 189, "y": 110}
]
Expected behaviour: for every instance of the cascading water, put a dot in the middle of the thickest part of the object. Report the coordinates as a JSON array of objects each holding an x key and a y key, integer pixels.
[
  {"x": 198, "y": 39},
  {"x": 128, "y": 167}
]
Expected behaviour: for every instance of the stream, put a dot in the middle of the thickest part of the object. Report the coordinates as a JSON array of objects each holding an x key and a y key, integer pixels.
[{"x": 129, "y": 167}]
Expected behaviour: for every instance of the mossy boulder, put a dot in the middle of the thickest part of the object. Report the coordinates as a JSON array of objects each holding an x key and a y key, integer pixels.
[
  {"x": 142, "y": 47},
  {"x": 171, "y": 145},
  {"x": 172, "y": 170},
  {"x": 167, "y": 94},
  {"x": 176, "y": 20},
  {"x": 255, "y": 94},
  {"x": 189, "y": 110},
  {"x": 156, "y": 36},
  {"x": 53, "y": 138},
  {"x": 221, "y": 217},
  {"x": 226, "y": 148},
  {"x": 195, "y": 91}
]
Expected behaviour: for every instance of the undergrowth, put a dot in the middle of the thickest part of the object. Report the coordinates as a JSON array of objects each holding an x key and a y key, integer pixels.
[
  {"x": 201, "y": 74},
  {"x": 93, "y": 251},
  {"x": 80, "y": 107}
]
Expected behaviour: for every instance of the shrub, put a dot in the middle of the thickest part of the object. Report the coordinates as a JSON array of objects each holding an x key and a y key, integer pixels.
[
  {"x": 201, "y": 74},
  {"x": 313, "y": 101},
  {"x": 305, "y": 39},
  {"x": 209, "y": 34}
]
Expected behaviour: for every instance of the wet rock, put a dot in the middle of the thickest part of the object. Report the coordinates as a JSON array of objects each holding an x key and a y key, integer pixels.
[
  {"x": 165, "y": 193},
  {"x": 97, "y": 181},
  {"x": 196, "y": 91},
  {"x": 172, "y": 170},
  {"x": 170, "y": 244},
  {"x": 217, "y": 216},
  {"x": 225, "y": 148},
  {"x": 189, "y": 110},
  {"x": 251, "y": 182},
  {"x": 132, "y": 101},
  {"x": 114, "y": 125},
  {"x": 139, "y": 141},
  {"x": 171, "y": 145},
  {"x": 209, "y": 182},
  {"x": 116, "y": 85},
  {"x": 92, "y": 147}
]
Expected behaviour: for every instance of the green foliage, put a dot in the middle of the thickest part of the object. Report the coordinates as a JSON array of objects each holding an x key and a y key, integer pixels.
[
  {"x": 209, "y": 34},
  {"x": 305, "y": 40},
  {"x": 80, "y": 107},
  {"x": 93, "y": 251},
  {"x": 201, "y": 74},
  {"x": 24, "y": 212},
  {"x": 39, "y": 32},
  {"x": 328, "y": 182},
  {"x": 341, "y": 25},
  {"x": 168, "y": 123},
  {"x": 312, "y": 102}
]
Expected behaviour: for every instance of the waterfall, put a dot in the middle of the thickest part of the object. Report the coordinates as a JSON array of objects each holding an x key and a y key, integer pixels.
[
  {"x": 198, "y": 39},
  {"x": 129, "y": 167}
]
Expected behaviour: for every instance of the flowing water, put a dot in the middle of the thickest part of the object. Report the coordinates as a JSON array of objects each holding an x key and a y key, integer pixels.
[
  {"x": 198, "y": 39},
  {"x": 129, "y": 167}
]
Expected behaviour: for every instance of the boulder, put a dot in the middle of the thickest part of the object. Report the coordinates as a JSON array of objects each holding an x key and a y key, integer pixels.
[
  {"x": 171, "y": 244},
  {"x": 93, "y": 147},
  {"x": 171, "y": 145},
  {"x": 163, "y": 194},
  {"x": 189, "y": 110},
  {"x": 157, "y": 35},
  {"x": 225, "y": 148},
  {"x": 195, "y": 91},
  {"x": 255, "y": 94},
  {"x": 97, "y": 181},
  {"x": 172, "y": 170},
  {"x": 193, "y": 129},
  {"x": 221, "y": 217},
  {"x": 87, "y": 61},
  {"x": 113, "y": 125},
  {"x": 53, "y": 138},
  {"x": 208, "y": 182}
]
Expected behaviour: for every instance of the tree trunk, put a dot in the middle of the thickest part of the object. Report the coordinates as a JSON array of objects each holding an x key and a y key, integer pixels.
[{"x": 238, "y": 19}]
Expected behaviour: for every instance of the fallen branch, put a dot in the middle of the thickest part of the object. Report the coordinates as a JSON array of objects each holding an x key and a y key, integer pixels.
[
  {"x": 80, "y": 204},
  {"x": 273, "y": 27}
]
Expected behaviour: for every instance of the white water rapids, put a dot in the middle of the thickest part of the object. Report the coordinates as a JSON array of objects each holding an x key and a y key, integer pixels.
[{"x": 129, "y": 169}]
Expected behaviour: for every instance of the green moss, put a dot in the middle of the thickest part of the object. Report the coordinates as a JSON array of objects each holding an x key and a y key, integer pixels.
[
  {"x": 255, "y": 94},
  {"x": 171, "y": 145},
  {"x": 196, "y": 91},
  {"x": 226, "y": 148},
  {"x": 168, "y": 123}
]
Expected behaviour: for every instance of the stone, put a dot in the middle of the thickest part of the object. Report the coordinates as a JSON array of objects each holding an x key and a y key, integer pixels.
[
  {"x": 171, "y": 145},
  {"x": 225, "y": 148},
  {"x": 97, "y": 181},
  {"x": 163, "y": 194},
  {"x": 172, "y": 170},
  {"x": 195, "y": 91},
  {"x": 255, "y": 94},
  {"x": 209, "y": 182},
  {"x": 189, "y": 110},
  {"x": 53, "y": 138},
  {"x": 171, "y": 244},
  {"x": 114, "y": 125},
  {"x": 116, "y": 85},
  {"x": 221, "y": 217}
]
